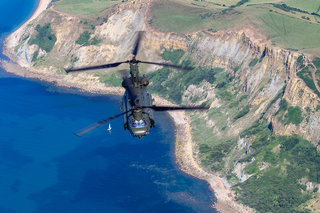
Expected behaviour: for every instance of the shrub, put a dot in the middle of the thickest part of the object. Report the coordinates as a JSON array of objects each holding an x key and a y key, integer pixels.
[
  {"x": 112, "y": 79},
  {"x": 306, "y": 76},
  {"x": 174, "y": 86},
  {"x": 253, "y": 62},
  {"x": 316, "y": 62},
  {"x": 283, "y": 106},
  {"x": 84, "y": 39},
  {"x": 213, "y": 155},
  {"x": 294, "y": 115},
  {"x": 287, "y": 8},
  {"x": 35, "y": 55},
  {"x": 237, "y": 68},
  {"x": 277, "y": 188},
  {"x": 263, "y": 55},
  {"x": 174, "y": 56},
  {"x": 300, "y": 62},
  {"x": 272, "y": 192},
  {"x": 45, "y": 37},
  {"x": 289, "y": 143},
  {"x": 242, "y": 113},
  {"x": 241, "y": 2}
]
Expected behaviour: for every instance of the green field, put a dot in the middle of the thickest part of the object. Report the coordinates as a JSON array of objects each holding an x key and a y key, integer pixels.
[
  {"x": 289, "y": 32},
  {"x": 84, "y": 8},
  {"x": 287, "y": 29},
  {"x": 176, "y": 17},
  {"x": 312, "y": 6}
]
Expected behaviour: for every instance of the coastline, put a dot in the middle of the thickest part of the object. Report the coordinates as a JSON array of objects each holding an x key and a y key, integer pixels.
[
  {"x": 184, "y": 146},
  {"x": 14, "y": 36}
]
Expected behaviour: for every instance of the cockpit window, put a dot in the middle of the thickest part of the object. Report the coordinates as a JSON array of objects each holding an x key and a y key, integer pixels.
[{"x": 138, "y": 124}]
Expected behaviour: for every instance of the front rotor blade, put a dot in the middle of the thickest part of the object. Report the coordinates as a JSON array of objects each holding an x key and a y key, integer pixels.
[
  {"x": 94, "y": 126},
  {"x": 137, "y": 43},
  {"x": 104, "y": 66},
  {"x": 168, "y": 65},
  {"x": 171, "y": 108}
]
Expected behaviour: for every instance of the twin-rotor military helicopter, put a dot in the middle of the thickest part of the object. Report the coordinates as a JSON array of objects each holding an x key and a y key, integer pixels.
[{"x": 136, "y": 102}]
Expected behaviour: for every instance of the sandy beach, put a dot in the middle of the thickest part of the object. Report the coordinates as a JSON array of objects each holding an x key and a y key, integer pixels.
[
  {"x": 14, "y": 37},
  {"x": 184, "y": 146}
]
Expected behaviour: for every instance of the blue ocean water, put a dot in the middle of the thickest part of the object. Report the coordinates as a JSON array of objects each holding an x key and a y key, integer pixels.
[{"x": 44, "y": 168}]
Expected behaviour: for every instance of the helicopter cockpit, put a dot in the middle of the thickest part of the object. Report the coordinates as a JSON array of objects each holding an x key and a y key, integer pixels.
[{"x": 139, "y": 128}]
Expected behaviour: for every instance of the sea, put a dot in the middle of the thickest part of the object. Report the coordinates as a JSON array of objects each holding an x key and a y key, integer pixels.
[{"x": 45, "y": 168}]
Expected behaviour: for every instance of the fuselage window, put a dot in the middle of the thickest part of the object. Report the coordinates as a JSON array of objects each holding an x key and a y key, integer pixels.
[{"x": 138, "y": 124}]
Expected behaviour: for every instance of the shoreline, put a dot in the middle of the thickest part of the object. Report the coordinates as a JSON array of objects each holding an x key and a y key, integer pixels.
[
  {"x": 41, "y": 6},
  {"x": 184, "y": 146}
]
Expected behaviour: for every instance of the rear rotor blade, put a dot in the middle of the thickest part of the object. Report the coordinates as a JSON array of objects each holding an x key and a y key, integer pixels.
[
  {"x": 171, "y": 108},
  {"x": 94, "y": 126},
  {"x": 137, "y": 43},
  {"x": 168, "y": 65},
  {"x": 104, "y": 66}
]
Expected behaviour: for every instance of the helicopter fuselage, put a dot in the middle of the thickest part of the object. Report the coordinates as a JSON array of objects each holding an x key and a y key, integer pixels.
[{"x": 137, "y": 120}]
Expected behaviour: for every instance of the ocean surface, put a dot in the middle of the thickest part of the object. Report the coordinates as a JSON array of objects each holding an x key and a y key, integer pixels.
[{"x": 44, "y": 168}]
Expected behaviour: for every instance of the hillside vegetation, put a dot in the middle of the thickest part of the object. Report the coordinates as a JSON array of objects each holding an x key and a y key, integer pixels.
[
  {"x": 274, "y": 169},
  {"x": 44, "y": 37}
]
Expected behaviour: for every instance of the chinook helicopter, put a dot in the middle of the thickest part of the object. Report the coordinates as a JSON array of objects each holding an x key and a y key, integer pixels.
[{"x": 136, "y": 104}]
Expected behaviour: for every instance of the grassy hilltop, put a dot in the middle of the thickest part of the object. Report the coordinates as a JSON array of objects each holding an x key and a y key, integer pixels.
[
  {"x": 84, "y": 8},
  {"x": 290, "y": 24}
]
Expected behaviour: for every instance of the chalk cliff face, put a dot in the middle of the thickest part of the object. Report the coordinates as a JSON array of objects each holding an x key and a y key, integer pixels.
[{"x": 263, "y": 81}]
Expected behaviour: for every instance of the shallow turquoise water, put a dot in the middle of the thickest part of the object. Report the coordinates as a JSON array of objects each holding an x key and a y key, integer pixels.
[{"x": 44, "y": 168}]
